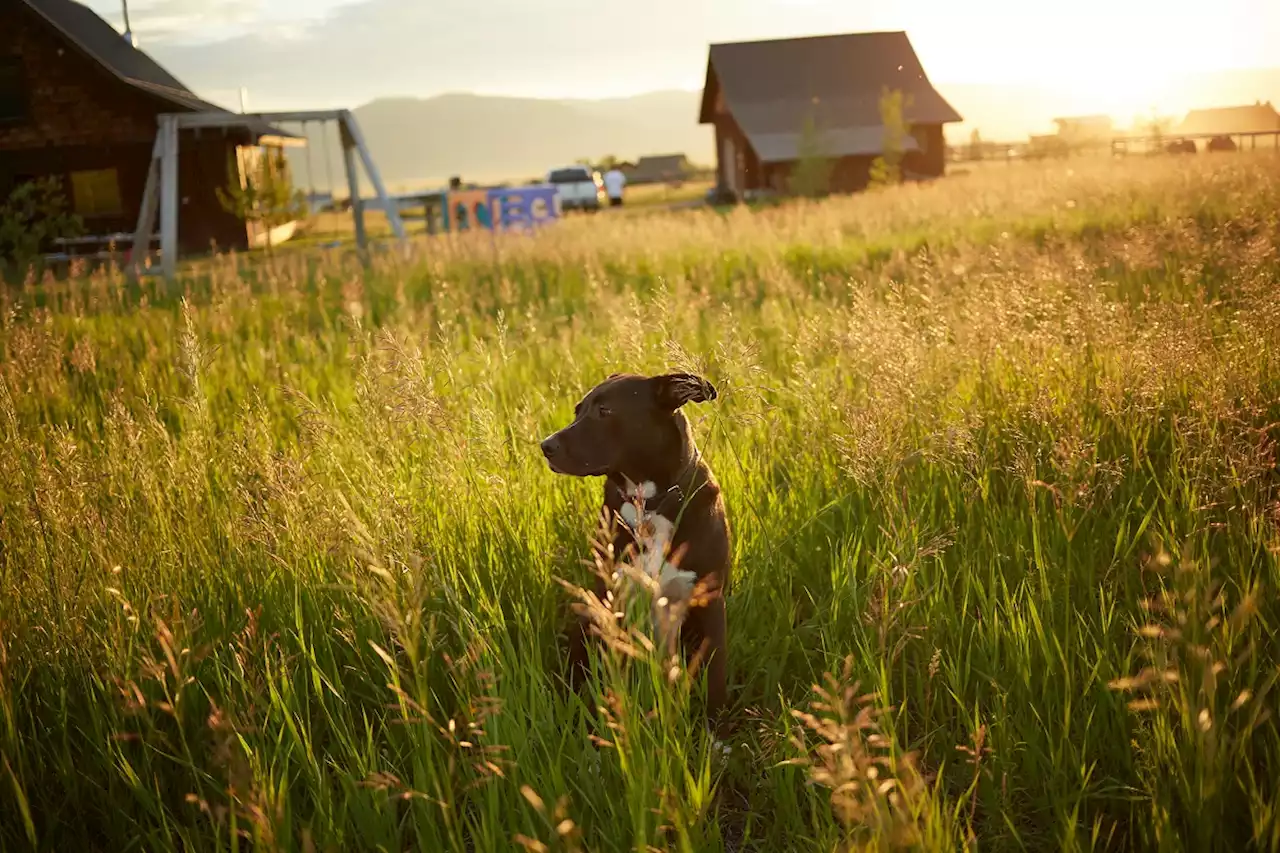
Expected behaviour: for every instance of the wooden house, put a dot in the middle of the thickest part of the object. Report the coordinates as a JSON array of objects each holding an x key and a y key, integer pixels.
[
  {"x": 79, "y": 102},
  {"x": 1229, "y": 121},
  {"x": 660, "y": 169},
  {"x": 772, "y": 103}
]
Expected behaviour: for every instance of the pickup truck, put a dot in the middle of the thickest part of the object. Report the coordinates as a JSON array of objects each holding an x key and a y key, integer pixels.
[{"x": 579, "y": 188}]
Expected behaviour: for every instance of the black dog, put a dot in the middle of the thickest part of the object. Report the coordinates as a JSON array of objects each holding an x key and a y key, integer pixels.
[{"x": 630, "y": 430}]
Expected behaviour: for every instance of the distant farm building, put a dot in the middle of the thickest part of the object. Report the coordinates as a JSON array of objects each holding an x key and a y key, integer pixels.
[
  {"x": 660, "y": 169},
  {"x": 773, "y": 102},
  {"x": 79, "y": 102},
  {"x": 1084, "y": 130},
  {"x": 1046, "y": 145},
  {"x": 1230, "y": 121}
]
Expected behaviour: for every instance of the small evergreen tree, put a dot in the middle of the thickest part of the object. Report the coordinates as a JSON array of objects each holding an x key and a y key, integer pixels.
[
  {"x": 262, "y": 194},
  {"x": 887, "y": 168},
  {"x": 811, "y": 176},
  {"x": 33, "y": 215}
]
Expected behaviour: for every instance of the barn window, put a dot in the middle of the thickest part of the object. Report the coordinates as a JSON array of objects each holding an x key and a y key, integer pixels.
[
  {"x": 13, "y": 93},
  {"x": 96, "y": 193}
]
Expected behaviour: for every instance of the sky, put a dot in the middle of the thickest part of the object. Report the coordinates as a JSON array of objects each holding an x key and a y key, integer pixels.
[{"x": 298, "y": 54}]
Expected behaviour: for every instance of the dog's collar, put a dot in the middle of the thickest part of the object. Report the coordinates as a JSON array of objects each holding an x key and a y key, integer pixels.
[
  {"x": 674, "y": 497},
  {"x": 648, "y": 492}
]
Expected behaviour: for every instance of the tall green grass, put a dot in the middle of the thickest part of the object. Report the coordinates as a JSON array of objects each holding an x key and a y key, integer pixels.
[{"x": 279, "y": 558}]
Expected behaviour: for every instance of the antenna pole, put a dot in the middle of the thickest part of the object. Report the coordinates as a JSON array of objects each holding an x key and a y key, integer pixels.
[{"x": 128, "y": 30}]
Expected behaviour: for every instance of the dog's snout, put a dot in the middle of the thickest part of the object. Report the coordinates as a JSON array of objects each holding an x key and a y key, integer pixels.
[{"x": 550, "y": 446}]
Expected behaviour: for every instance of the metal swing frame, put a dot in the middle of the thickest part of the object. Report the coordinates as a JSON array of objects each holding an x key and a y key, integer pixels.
[{"x": 161, "y": 193}]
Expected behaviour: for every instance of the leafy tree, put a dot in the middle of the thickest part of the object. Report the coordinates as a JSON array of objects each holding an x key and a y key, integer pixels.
[
  {"x": 811, "y": 176},
  {"x": 262, "y": 194},
  {"x": 33, "y": 215},
  {"x": 887, "y": 168}
]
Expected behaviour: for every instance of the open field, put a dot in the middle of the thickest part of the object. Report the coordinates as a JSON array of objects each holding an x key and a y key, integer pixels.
[{"x": 278, "y": 559}]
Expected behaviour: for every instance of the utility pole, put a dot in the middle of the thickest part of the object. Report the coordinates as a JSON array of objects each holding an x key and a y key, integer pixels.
[{"x": 128, "y": 30}]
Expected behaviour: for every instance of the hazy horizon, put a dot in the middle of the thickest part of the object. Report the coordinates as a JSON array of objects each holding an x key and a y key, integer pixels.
[{"x": 1007, "y": 69}]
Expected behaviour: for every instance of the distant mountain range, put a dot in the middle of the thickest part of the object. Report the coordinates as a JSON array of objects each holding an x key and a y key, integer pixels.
[
  {"x": 486, "y": 138},
  {"x": 421, "y": 142}
]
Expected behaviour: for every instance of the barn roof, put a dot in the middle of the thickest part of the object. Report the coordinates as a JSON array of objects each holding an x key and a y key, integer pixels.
[
  {"x": 662, "y": 161},
  {"x": 660, "y": 166},
  {"x": 772, "y": 88},
  {"x": 1255, "y": 118},
  {"x": 101, "y": 43}
]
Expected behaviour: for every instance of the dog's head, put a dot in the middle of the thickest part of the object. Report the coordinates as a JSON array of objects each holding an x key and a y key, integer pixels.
[{"x": 629, "y": 425}]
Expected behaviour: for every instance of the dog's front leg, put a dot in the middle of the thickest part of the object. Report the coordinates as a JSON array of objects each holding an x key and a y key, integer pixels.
[
  {"x": 580, "y": 637},
  {"x": 704, "y": 637}
]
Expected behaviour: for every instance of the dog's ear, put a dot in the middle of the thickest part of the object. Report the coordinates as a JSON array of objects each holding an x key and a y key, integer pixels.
[{"x": 673, "y": 390}]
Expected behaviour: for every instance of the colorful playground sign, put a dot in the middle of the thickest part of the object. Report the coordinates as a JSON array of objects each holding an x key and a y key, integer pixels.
[
  {"x": 499, "y": 208},
  {"x": 524, "y": 207}
]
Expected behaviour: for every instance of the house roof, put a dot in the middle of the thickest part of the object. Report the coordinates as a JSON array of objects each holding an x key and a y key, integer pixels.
[
  {"x": 661, "y": 165},
  {"x": 1255, "y": 118},
  {"x": 662, "y": 160},
  {"x": 98, "y": 40},
  {"x": 773, "y": 88}
]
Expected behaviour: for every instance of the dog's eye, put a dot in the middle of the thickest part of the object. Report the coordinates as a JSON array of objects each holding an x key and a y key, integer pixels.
[{"x": 603, "y": 411}]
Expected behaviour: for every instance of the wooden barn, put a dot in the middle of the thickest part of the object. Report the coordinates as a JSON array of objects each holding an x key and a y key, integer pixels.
[
  {"x": 79, "y": 102},
  {"x": 761, "y": 96},
  {"x": 1229, "y": 121},
  {"x": 660, "y": 169}
]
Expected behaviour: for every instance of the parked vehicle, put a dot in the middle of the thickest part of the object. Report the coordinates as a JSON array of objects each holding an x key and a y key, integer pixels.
[{"x": 579, "y": 188}]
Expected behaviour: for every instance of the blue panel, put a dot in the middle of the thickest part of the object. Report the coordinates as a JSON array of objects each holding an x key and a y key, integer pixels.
[{"x": 524, "y": 207}]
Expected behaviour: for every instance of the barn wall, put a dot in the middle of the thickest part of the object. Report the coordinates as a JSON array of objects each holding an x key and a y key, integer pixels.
[
  {"x": 848, "y": 175},
  {"x": 203, "y": 223},
  {"x": 70, "y": 99},
  {"x": 129, "y": 160},
  {"x": 853, "y": 174},
  {"x": 752, "y": 174},
  {"x": 726, "y": 129},
  {"x": 931, "y": 159},
  {"x": 753, "y": 171},
  {"x": 80, "y": 117}
]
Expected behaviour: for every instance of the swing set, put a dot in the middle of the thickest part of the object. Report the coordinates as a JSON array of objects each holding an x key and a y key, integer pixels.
[{"x": 160, "y": 197}]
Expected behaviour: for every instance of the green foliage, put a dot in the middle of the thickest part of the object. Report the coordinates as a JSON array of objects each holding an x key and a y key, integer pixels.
[
  {"x": 887, "y": 168},
  {"x": 811, "y": 175},
  {"x": 34, "y": 214},
  {"x": 279, "y": 554},
  {"x": 262, "y": 193}
]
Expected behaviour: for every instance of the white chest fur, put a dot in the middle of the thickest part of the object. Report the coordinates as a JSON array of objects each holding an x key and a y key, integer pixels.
[{"x": 653, "y": 532}]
